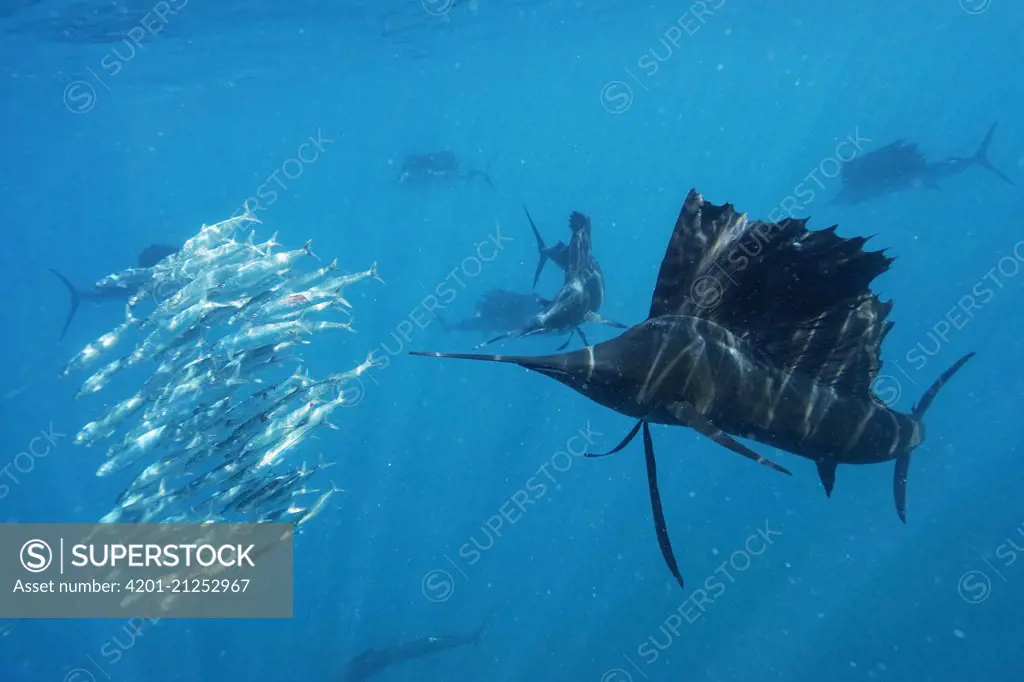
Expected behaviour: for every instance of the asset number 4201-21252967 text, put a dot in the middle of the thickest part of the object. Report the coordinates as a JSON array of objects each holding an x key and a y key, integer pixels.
[{"x": 193, "y": 585}]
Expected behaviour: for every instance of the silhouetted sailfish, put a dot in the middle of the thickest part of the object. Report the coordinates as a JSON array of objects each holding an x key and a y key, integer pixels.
[
  {"x": 373, "y": 661},
  {"x": 498, "y": 310},
  {"x": 438, "y": 166},
  {"x": 765, "y": 331},
  {"x": 901, "y": 166}
]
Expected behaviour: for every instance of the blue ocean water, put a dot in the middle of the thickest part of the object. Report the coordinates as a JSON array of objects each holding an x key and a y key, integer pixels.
[{"x": 130, "y": 123}]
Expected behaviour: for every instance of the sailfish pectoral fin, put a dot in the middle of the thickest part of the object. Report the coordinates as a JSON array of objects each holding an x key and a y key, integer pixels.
[
  {"x": 660, "y": 529},
  {"x": 899, "y": 484},
  {"x": 532, "y": 330},
  {"x": 567, "y": 342},
  {"x": 594, "y": 318},
  {"x": 688, "y": 414},
  {"x": 495, "y": 339},
  {"x": 625, "y": 441}
]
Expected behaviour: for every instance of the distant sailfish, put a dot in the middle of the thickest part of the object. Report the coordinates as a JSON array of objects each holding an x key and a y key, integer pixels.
[
  {"x": 373, "y": 661},
  {"x": 443, "y": 166},
  {"x": 148, "y": 257},
  {"x": 901, "y": 166},
  {"x": 499, "y": 310},
  {"x": 785, "y": 351}
]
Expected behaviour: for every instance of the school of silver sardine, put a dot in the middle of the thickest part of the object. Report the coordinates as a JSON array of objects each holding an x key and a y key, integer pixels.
[{"x": 215, "y": 427}]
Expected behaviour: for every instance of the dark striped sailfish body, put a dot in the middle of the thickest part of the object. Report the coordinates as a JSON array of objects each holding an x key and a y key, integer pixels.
[
  {"x": 732, "y": 384},
  {"x": 694, "y": 363}
]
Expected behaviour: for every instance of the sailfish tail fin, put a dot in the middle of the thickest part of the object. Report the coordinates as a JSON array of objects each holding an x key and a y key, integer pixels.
[
  {"x": 542, "y": 248},
  {"x": 76, "y": 300},
  {"x": 980, "y": 157},
  {"x": 903, "y": 460},
  {"x": 483, "y": 174}
]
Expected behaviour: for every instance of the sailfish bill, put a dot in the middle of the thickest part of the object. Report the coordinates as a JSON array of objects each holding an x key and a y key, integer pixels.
[{"x": 786, "y": 356}]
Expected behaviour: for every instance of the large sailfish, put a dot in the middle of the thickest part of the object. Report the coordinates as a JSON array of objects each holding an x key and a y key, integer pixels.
[{"x": 764, "y": 331}]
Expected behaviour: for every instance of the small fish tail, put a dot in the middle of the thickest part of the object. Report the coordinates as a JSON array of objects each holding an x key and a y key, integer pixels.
[
  {"x": 76, "y": 300},
  {"x": 129, "y": 317},
  {"x": 374, "y": 274},
  {"x": 271, "y": 243},
  {"x": 308, "y": 248},
  {"x": 250, "y": 243},
  {"x": 980, "y": 157},
  {"x": 248, "y": 215},
  {"x": 300, "y": 373}
]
